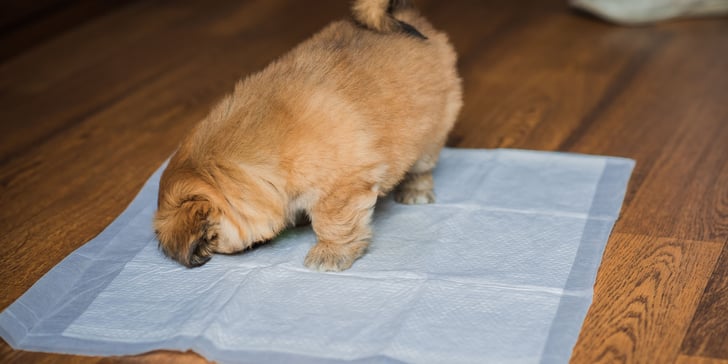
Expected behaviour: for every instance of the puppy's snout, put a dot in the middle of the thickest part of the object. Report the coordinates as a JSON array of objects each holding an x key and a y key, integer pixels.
[
  {"x": 196, "y": 255},
  {"x": 199, "y": 254},
  {"x": 198, "y": 260}
]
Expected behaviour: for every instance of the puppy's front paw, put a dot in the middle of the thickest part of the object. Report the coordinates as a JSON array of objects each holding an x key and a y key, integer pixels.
[
  {"x": 411, "y": 196},
  {"x": 331, "y": 257}
]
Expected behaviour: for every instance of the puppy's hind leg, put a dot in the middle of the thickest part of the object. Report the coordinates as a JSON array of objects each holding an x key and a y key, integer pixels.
[
  {"x": 417, "y": 185},
  {"x": 341, "y": 223}
]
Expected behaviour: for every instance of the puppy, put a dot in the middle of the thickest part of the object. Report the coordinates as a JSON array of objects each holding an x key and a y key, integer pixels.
[{"x": 358, "y": 110}]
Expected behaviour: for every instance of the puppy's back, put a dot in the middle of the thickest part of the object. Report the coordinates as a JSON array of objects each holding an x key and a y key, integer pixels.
[{"x": 376, "y": 96}]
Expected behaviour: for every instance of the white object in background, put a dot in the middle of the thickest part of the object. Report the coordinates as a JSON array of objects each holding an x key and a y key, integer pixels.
[{"x": 633, "y": 12}]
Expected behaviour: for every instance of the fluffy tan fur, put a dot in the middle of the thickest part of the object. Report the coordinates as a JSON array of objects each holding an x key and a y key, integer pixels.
[
  {"x": 345, "y": 117},
  {"x": 375, "y": 15}
]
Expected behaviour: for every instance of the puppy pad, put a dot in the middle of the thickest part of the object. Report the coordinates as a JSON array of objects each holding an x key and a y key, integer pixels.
[{"x": 499, "y": 270}]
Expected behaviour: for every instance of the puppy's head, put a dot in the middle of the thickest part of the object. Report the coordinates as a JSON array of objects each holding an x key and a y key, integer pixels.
[
  {"x": 187, "y": 231},
  {"x": 192, "y": 222},
  {"x": 202, "y": 211}
]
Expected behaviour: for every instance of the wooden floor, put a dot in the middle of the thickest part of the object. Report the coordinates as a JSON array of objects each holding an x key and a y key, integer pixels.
[{"x": 89, "y": 111}]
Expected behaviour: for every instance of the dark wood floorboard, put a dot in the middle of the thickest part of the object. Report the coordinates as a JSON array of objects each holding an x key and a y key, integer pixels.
[
  {"x": 25, "y": 24},
  {"x": 93, "y": 101},
  {"x": 644, "y": 299},
  {"x": 708, "y": 332}
]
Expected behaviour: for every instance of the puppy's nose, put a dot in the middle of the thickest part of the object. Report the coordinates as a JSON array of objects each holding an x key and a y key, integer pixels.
[{"x": 197, "y": 260}]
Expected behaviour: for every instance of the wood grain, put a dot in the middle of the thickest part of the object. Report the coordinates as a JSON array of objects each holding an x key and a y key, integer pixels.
[
  {"x": 708, "y": 333},
  {"x": 686, "y": 359},
  {"x": 24, "y": 24},
  {"x": 89, "y": 111},
  {"x": 663, "y": 121},
  {"x": 642, "y": 299}
]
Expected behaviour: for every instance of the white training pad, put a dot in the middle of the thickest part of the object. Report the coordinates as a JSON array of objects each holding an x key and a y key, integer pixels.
[{"x": 500, "y": 269}]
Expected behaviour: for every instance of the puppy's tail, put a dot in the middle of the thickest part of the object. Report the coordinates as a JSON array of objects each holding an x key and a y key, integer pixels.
[{"x": 377, "y": 15}]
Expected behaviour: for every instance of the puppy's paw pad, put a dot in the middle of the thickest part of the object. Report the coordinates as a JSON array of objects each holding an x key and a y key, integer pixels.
[
  {"x": 414, "y": 197},
  {"x": 328, "y": 257}
]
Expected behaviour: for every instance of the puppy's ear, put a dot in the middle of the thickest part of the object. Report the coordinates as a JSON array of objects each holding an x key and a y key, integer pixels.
[{"x": 183, "y": 231}]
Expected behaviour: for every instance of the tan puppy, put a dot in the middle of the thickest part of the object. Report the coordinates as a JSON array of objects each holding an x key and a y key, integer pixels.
[{"x": 361, "y": 108}]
